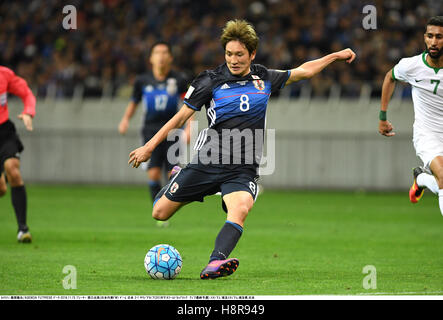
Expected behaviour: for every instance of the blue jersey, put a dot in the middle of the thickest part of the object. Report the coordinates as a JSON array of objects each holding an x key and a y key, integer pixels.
[
  {"x": 160, "y": 99},
  {"x": 236, "y": 113}
]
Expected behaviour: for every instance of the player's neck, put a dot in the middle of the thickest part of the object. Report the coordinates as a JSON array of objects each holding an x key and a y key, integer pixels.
[
  {"x": 160, "y": 73},
  {"x": 435, "y": 63}
]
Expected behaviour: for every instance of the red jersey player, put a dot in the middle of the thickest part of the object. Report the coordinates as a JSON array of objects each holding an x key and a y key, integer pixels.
[{"x": 11, "y": 146}]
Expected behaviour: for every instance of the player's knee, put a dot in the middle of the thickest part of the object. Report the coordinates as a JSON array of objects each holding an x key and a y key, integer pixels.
[
  {"x": 242, "y": 210},
  {"x": 159, "y": 213},
  {"x": 238, "y": 209},
  {"x": 165, "y": 208},
  {"x": 245, "y": 208},
  {"x": 238, "y": 214},
  {"x": 14, "y": 175},
  {"x": 15, "y": 178}
]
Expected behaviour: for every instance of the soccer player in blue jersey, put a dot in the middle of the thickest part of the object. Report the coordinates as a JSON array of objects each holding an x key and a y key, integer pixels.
[
  {"x": 235, "y": 95},
  {"x": 160, "y": 91}
]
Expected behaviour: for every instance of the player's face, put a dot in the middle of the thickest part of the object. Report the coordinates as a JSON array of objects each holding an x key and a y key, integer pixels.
[
  {"x": 238, "y": 58},
  {"x": 434, "y": 41},
  {"x": 160, "y": 56}
]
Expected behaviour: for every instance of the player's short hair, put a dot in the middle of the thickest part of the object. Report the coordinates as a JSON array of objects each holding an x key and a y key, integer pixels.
[
  {"x": 159, "y": 43},
  {"x": 434, "y": 21},
  {"x": 242, "y": 31}
]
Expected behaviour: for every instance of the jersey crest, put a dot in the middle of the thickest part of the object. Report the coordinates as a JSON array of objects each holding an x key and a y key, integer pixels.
[{"x": 258, "y": 83}]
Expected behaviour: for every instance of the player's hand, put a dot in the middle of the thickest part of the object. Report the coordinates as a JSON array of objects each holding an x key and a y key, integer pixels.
[
  {"x": 138, "y": 156},
  {"x": 385, "y": 128},
  {"x": 346, "y": 54},
  {"x": 123, "y": 126},
  {"x": 27, "y": 120}
]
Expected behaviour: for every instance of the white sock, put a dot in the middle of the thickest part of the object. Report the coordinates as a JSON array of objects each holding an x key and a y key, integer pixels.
[
  {"x": 440, "y": 200},
  {"x": 428, "y": 181}
]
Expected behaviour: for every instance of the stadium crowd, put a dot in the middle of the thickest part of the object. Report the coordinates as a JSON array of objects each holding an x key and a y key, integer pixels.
[{"x": 111, "y": 42}]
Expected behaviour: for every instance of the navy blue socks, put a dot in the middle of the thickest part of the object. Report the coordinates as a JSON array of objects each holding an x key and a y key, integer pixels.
[{"x": 226, "y": 241}]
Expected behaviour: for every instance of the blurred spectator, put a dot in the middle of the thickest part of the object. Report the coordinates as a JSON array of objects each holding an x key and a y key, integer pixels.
[{"x": 110, "y": 44}]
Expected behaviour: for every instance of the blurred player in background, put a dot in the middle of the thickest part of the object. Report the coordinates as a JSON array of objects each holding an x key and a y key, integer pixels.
[
  {"x": 160, "y": 90},
  {"x": 425, "y": 74},
  {"x": 235, "y": 95},
  {"x": 11, "y": 146}
]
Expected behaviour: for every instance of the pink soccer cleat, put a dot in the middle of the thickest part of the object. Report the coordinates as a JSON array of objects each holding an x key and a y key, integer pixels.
[{"x": 219, "y": 268}]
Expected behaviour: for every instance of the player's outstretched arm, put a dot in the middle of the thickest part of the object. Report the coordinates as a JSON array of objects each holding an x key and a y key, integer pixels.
[
  {"x": 384, "y": 126},
  {"x": 19, "y": 87},
  {"x": 143, "y": 153},
  {"x": 129, "y": 112},
  {"x": 311, "y": 68},
  {"x": 187, "y": 131}
]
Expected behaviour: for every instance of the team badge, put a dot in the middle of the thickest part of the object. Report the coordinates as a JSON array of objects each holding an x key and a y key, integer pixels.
[
  {"x": 258, "y": 83},
  {"x": 174, "y": 187}
]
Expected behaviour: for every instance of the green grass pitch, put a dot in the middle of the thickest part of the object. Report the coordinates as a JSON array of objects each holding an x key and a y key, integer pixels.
[{"x": 294, "y": 243}]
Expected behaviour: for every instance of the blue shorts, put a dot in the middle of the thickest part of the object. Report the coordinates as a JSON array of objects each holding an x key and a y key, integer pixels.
[{"x": 194, "y": 182}]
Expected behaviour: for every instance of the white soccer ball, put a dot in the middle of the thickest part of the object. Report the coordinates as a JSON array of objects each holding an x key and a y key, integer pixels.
[{"x": 163, "y": 262}]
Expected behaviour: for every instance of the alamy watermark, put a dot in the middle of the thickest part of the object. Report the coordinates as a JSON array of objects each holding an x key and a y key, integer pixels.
[
  {"x": 370, "y": 280},
  {"x": 70, "y": 20},
  {"x": 70, "y": 281},
  {"x": 369, "y": 21}
]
